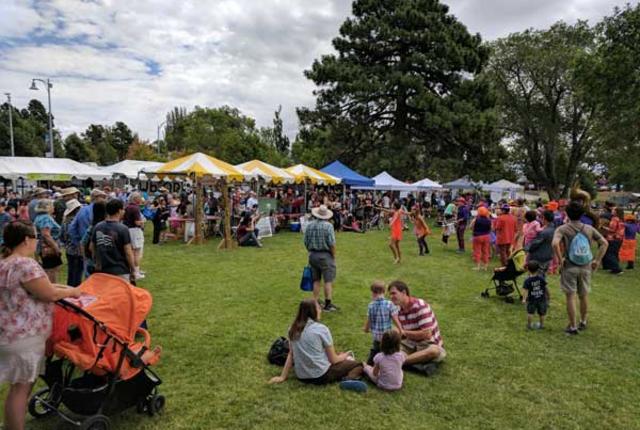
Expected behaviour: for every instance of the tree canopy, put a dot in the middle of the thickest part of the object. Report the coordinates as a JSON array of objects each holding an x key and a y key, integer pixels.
[
  {"x": 544, "y": 114},
  {"x": 401, "y": 93},
  {"x": 222, "y": 132}
]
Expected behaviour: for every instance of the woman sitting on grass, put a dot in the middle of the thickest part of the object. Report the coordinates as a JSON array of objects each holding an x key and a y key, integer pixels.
[{"x": 312, "y": 354}]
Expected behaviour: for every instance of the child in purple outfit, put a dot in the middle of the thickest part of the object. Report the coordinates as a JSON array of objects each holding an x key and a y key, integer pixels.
[{"x": 387, "y": 370}]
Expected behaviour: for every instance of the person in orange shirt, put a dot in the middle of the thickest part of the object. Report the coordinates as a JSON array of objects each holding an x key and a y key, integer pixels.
[
  {"x": 396, "y": 229},
  {"x": 420, "y": 229},
  {"x": 506, "y": 230}
]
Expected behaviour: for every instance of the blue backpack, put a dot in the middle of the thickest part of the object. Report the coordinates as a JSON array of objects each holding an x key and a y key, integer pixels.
[{"x": 580, "y": 249}]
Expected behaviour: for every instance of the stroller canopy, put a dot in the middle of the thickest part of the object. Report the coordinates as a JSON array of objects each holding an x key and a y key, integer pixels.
[{"x": 93, "y": 330}]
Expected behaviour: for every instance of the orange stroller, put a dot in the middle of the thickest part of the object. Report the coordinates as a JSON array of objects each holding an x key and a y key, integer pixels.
[{"x": 96, "y": 364}]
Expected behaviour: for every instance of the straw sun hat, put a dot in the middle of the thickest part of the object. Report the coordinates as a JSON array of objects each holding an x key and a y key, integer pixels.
[{"x": 322, "y": 212}]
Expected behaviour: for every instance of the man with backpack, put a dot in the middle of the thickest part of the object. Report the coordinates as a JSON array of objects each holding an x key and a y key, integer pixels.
[{"x": 572, "y": 248}]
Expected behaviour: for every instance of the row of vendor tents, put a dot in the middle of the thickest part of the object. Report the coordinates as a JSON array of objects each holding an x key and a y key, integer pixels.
[{"x": 201, "y": 165}]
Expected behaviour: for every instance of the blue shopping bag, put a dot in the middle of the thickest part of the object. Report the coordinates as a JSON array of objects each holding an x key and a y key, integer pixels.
[{"x": 306, "y": 283}]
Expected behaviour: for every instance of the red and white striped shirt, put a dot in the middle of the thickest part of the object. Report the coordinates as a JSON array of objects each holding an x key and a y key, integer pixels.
[{"x": 419, "y": 316}]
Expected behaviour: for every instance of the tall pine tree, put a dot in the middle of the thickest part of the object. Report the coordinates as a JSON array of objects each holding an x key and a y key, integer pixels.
[{"x": 401, "y": 91}]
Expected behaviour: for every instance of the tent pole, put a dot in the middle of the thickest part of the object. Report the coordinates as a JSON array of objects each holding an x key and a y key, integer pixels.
[
  {"x": 199, "y": 208},
  {"x": 226, "y": 241}
]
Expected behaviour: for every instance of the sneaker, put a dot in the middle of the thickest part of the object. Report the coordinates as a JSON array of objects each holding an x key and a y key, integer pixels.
[
  {"x": 570, "y": 331},
  {"x": 330, "y": 308},
  {"x": 582, "y": 326},
  {"x": 353, "y": 385},
  {"x": 139, "y": 276},
  {"x": 427, "y": 369}
]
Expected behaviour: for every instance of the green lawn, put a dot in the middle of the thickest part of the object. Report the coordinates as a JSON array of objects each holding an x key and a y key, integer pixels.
[{"x": 216, "y": 313}]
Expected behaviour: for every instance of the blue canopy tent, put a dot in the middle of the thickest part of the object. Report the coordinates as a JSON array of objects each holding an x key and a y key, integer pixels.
[{"x": 348, "y": 176}]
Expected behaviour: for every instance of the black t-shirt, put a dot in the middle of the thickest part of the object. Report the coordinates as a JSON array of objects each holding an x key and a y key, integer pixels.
[
  {"x": 536, "y": 287},
  {"x": 109, "y": 239}
]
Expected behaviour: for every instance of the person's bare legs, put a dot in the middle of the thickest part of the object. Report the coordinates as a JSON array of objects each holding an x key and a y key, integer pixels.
[
  {"x": 15, "y": 406},
  {"x": 571, "y": 309},
  {"x": 584, "y": 307},
  {"x": 316, "y": 290},
  {"x": 355, "y": 373},
  {"x": 136, "y": 260},
  {"x": 424, "y": 356},
  {"x": 393, "y": 250},
  {"x": 328, "y": 290},
  {"x": 397, "y": 244}
]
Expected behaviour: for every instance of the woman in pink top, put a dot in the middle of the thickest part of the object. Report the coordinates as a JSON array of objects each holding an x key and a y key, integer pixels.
[
  {"x": 25, "y": 317},
  {"x": 387, "y": 370}
]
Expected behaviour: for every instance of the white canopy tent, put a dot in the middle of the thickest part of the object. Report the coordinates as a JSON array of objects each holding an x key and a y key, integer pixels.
[
  {"x": 131, "y": 168},
  {"x": 464, "y": 183},
  {"x": 386, "y": 182},
  {"x": 48, "y": 169},
  {"x": 427, "y": 184},
  {"x": 502, "y": 188}
]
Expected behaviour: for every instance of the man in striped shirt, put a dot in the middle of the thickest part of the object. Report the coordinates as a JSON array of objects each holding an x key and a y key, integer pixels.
[{"x": 422, "y": 341}]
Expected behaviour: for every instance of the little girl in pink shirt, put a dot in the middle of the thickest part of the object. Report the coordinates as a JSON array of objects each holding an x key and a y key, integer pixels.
[
  {"x": 387, "y": 370},
  {"x": 531, "y": 228}
]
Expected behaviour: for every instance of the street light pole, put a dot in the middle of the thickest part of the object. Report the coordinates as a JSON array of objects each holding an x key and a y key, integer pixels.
[
  {"x": 158, "y": 139},
  {"x": 13, "y": 150},
  {"x": 49, "y": 86}
]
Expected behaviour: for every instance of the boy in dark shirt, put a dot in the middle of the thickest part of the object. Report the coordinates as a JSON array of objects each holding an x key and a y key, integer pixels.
[{"x": 537, "y": 298}]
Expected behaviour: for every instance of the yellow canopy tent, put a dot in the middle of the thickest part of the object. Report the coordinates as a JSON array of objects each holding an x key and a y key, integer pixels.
[
  {"x": 305, "y": 174},
  {"x": 201, "y": 167},
  {"x": 269, "y": 173}
]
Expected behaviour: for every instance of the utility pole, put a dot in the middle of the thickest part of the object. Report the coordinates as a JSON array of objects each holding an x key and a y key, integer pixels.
[{"x": 13, "y": 150}]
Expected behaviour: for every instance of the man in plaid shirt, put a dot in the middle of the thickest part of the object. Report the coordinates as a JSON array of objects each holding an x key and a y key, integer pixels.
[
  {"x": 320, "y": 241},
  {"x": 380, "y": 314},
  {"x": 421, "y": 339}
]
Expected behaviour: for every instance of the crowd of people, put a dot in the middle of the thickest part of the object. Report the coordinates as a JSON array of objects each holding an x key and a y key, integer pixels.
[
  {"x": 102, "y": 231},
  {"x": 556, "y": 237}
]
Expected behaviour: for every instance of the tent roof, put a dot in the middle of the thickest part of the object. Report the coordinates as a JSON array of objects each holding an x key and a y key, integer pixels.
[
  {"x": 427, "y": 184},
  {"x": 302, "y": 173},
  {"x": 52, "y": 169},
  {"x": 386, "y": 182},
  {"x": 130, "y": 168},
  {"x": 203, "y": 165},
  {"x": 463, "y": 183},
  {"x": 266, "y": 171},
  {"x": 502, "y": 185},
  {"x": 348, "y": 176}
]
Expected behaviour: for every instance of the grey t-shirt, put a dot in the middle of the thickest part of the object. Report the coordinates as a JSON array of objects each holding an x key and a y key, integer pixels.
[
  {"x": 309, "y": 356},
  {"x": 565, "y": 233}
]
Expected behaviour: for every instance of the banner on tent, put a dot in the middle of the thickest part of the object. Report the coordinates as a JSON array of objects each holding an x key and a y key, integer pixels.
[{"x": 152, "y": 187}]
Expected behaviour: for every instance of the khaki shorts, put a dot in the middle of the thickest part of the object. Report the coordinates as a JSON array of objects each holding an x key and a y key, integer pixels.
[
  {"x": 137, "y": 238},
  {"x": 409, "y": 347},
  {"x": 576, "y": 279}
]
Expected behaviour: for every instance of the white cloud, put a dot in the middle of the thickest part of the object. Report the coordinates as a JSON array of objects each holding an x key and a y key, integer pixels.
[
  {"x": 17, "y": 19},
  {"x": 245, "y": 53}
]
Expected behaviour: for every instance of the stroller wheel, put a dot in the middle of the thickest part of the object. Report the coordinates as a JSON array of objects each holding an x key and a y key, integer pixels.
[
  {"x": 156, "y": 404},
  {"x": 39, "y": 410},
  {"x": 484, "y": 294},
  {"x": 509, "y": 300},
  {"x": 96, "y": 422}
]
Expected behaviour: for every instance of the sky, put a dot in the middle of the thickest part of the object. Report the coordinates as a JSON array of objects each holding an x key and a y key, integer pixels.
[{"x": 133, "y": 61}]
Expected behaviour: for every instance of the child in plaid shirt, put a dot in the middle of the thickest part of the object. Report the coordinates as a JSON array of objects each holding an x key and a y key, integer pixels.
[{"x": 380, "y": 314}]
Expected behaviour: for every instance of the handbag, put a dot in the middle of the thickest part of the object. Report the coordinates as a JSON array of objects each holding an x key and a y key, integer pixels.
[{"x": 306, "y": 283}]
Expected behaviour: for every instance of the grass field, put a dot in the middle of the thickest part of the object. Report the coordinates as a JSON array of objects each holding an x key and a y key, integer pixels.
[{"x": 216, "y": 314}]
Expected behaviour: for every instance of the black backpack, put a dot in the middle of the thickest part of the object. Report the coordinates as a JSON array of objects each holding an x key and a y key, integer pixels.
[{"x": 279, "y": 351}]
